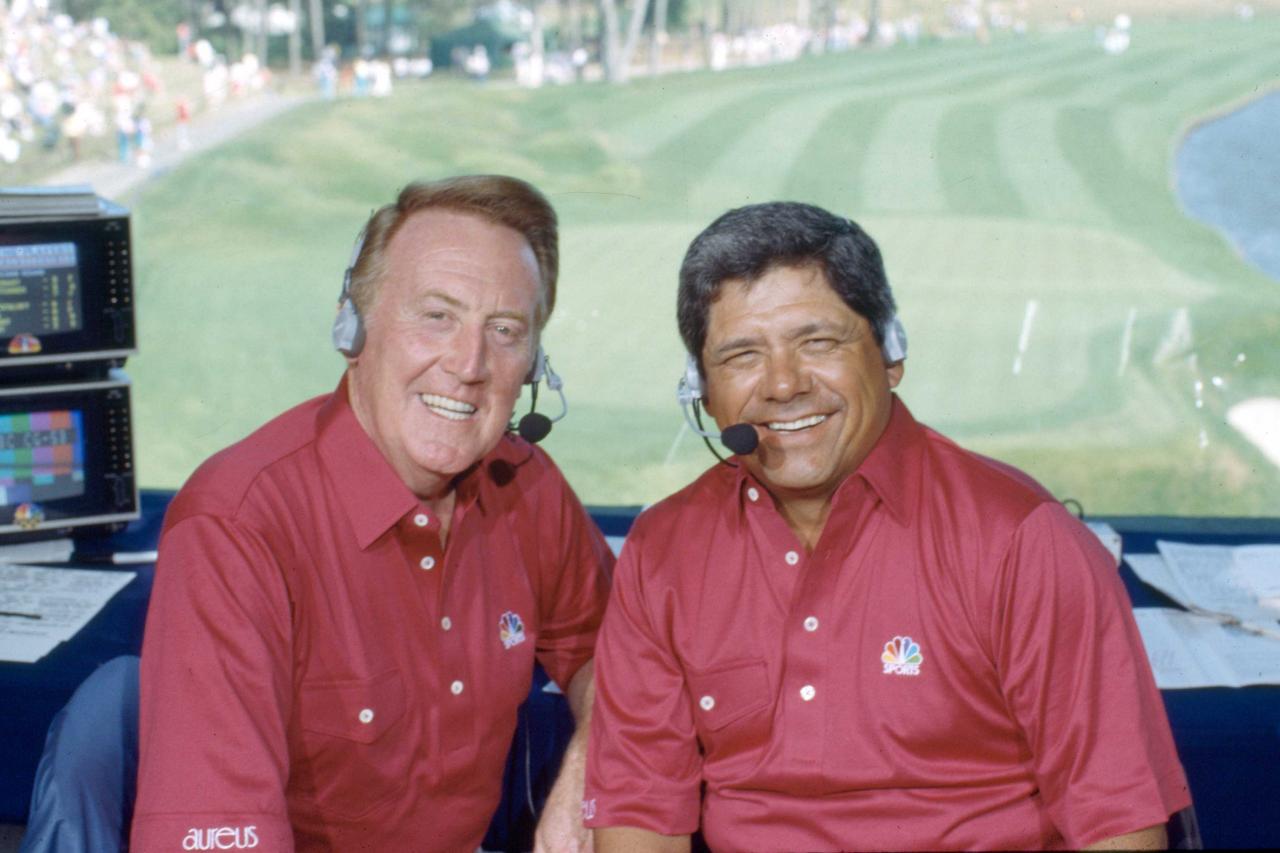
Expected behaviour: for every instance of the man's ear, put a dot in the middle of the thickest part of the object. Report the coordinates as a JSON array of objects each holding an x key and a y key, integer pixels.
[{"x": 894, "y": 372}]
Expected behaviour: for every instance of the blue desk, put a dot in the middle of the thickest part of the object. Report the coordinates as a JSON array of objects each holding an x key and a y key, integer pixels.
[{"x": 1228, "y": 740}]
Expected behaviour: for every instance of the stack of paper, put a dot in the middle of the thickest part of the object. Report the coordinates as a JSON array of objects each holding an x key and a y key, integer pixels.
[
  {"x": 69, "y": 200},
  {"x": 41, "y": 607},
  {"x": 1231, "y": 636},
  {"x": 1188, "y": 651}
]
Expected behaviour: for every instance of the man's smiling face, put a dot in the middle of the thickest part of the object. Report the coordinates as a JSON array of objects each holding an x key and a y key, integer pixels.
[
  {"x": 449, "y": 340},
  {"x": 787, "y": 355}
]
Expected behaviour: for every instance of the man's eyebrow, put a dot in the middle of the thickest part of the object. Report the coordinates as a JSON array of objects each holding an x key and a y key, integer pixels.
[
  {"x": 444, "y": 297},
  {"x": 735, "y": 344},
  {"x": 458, "y": 304}
]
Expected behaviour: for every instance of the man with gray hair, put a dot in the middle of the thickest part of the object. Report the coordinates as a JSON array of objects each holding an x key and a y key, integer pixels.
[
  {"x": 349, "y": 602},
  {"x": 855, "y": 635}
]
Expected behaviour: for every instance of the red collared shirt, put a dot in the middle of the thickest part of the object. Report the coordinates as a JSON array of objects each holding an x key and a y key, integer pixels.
[
  {"x": 955, "y": 665},
  {"x": 318, "y": 671}
]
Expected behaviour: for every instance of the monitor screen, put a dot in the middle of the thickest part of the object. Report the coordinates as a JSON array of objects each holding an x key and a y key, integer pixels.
[
  {"x": 41, "y": 456},
  {"x": 39, "y": 292}
]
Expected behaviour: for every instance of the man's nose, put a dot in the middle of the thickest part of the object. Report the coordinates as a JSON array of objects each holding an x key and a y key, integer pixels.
[
  {"x": 469, "y": 358},
  {"x": 784, "y": 377}
]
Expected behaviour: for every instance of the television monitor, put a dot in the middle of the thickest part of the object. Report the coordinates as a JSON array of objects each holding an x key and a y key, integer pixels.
[
  {"x": 66, "y": 295},
  {"x": 66, "y": 459}
]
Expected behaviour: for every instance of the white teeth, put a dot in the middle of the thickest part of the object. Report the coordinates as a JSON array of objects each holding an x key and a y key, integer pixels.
[
  {"x": 447, "y": 407},
  {"x": 803, "y": 423}
]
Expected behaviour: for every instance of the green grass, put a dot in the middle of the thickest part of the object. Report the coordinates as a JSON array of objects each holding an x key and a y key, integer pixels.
[{"x": 1026, "y": 169}]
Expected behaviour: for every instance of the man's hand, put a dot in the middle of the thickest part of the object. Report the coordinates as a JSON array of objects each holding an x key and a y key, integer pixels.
[{"x": 560, "y": 828}]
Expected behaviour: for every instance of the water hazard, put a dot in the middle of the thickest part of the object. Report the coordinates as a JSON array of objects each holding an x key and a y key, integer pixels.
[{"x": 1228, "y": 176}]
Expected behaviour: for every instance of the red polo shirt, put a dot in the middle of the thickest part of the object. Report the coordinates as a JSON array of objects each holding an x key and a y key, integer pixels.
[
  {"x": 955, "y": 665},
  {"x": 317, "y": 671}
]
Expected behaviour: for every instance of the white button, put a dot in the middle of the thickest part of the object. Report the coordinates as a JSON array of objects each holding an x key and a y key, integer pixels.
[
  {"x": 455, "y": 688},
  {"x": 427, "y": 563},
  {"x": 811, "y": 624},
  {"x": 806, "y": 692},
  {"x": 446, "y": 623},
  {"x": 753, "y": 494},
  {"x": 706, "y": 703},
  {"x": 366, "y": 716},
  {"x": 792, "y": 558},
  {"x": 421, "y": 519}
]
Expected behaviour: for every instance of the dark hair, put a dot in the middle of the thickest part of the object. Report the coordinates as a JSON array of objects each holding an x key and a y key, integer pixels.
[
  {"x": 748, "y": 242},
  {"x": 495, "y": 198}
]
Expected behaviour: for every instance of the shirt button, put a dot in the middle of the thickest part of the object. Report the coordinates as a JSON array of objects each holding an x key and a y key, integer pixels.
[
  {"x": 811, "y": 624},
  {"x": 421, "y": 519},
  {"x": 455, "y": 688},
  {"x": 446, "y": 623},
  {"x": 706, "y": 703},
  {"x": 753, "y": 494},
  {"x": 366, "y": 716},
  {"x": 427, "y": 563},
  {"x": 792, "y": 558},
  {"x": 807, "y": 692}
]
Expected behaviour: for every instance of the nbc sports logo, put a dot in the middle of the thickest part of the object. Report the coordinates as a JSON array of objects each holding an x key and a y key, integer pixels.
[
  {"x": 510, "y": 629},
  {"x": 901, "y": 656}
]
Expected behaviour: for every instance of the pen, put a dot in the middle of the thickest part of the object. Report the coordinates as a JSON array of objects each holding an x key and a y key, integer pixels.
[
  {"x": 16, "y": 615},
  {"x": 118, "y": 558},
  {"x": 1251, "y": 627}
]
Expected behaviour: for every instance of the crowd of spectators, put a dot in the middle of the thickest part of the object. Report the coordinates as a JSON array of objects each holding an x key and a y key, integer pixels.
[{"x": 64, "y": 82}]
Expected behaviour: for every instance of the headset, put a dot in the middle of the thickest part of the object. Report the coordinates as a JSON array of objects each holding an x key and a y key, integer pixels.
[
  {"x": 348, "y": 325},
  {"x": 742, "y": 439},
  {"x": 348, "y": 337}
]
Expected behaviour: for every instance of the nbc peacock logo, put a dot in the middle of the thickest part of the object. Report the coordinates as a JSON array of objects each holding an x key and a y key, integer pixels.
[
  {"x": 901, "y": 656},
  {"x": 510, "y": 629},
  {"x": 28, "y": 516}
]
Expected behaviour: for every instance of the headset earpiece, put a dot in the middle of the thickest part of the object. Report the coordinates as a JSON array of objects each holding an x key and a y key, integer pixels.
[
  {"x": 895, "y": 341},
  {"x": 538, "y": 369},
  {"x": 348, "y": 325},
  {"x": 690, "y": 388},
  {"x": 535, "y": 426}
]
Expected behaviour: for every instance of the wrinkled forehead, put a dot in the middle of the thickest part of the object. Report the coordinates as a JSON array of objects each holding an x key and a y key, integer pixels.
[{"x": 437, "y": 247}]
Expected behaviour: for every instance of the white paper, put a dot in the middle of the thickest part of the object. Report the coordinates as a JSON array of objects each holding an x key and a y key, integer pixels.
[
  {"x": 41, "y": 607},
  {"x": 1221, "y": 579},
  {"x": 1108, "y": 536},
  {"x": 1187, "y": 650}
]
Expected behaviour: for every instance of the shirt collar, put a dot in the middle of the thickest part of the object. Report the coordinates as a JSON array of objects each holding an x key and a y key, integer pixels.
[
  {"x": 370, "y": 491},
  {"x": 891, "y": 469}
]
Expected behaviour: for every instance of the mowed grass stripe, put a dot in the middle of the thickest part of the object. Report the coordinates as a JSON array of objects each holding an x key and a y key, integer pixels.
[
  {"x": 974, "y": 178},
  {"x": 675, "y": 103},
  {"x": 693, "y": 152},
  {"x": 753, "y": 167},
  {"x": 1029, "y": 154},
  {"x": 827, "y": 171},
  {"x": 900, "y": 171}
]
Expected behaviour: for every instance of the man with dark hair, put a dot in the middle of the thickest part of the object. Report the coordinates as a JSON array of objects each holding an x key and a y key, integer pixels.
[
  {"x": 858, "y": 636},
  {"x": 349, "y": 602}
]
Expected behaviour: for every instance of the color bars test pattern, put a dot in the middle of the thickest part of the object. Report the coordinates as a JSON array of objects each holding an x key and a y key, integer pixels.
[{"x": 41, "y": 456}]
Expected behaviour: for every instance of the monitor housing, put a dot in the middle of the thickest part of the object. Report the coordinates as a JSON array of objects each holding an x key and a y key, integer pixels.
[
  {"x": 66, "y": 459},
  {"x": 66, "y": 296}
]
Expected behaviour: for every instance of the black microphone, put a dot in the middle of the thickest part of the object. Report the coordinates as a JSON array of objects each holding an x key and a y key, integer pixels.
[
  {"x": 534, "y": 427},
  {"x": 741, "y": 439}
]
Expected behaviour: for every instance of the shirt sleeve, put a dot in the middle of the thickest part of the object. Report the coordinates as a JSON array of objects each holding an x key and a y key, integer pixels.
[
  {"x": 644, "y": 768},
  {"x": 215, "y": 695},
  {"x": 576, "y": 567},
  {"x": 1077, "y": 680}
]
